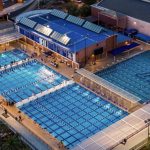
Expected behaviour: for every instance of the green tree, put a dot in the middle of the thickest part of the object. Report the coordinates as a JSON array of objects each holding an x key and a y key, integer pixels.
[
  {"x": 11, "y": 143},
  {"x": 89, "y": 2},
  {"x": 85, "y": 10},
  {"x": 72, "y": 9}
]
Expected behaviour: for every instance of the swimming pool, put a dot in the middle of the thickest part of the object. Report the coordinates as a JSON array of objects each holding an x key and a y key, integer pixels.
[
  {"x": 25, "y": 80},
  {"x": 10, "y": 56},
  {"x": 72, "y": 114},
  {"x": 132, "y": 75}
]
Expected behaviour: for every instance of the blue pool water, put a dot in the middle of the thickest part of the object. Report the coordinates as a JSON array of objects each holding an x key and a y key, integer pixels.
[
  {"x": 25, "y": 80},
  {"x": 10, "y": 56},
  {"x": 72, "y": 114},
  {"x": 132, "y": 75}
]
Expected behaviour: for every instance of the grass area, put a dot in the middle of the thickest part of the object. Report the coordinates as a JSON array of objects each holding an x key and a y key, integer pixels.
[{"x": 10, "y": 140}]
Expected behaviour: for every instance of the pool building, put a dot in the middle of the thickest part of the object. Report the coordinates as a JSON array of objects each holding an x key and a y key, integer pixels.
[
  {"x": 44, "y": 80},
  {"x": 70, "y": 38}
]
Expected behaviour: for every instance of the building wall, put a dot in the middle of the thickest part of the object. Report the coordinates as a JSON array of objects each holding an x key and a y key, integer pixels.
[
  {"x": 102, "y": 18},
  {"x": 89, "y": 51},
  {"x": 122, "y": 21},
  {"x": 141, "y": 26},
  {"x": 20, "y": 1},
  {"x": 108, "y": 45},
  {"x": 111, "y": 43}
]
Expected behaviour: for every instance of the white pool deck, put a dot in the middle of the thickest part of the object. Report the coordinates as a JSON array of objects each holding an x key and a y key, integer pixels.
[{"x": 112, "y": 136}]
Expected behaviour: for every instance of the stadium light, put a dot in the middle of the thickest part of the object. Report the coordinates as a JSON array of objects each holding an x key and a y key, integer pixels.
[{"x": 134, "y": 22}]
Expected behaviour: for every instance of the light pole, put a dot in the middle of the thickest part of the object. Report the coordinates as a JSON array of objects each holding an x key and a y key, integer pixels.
[
  {"x": 147, "y": 122},
  {"x": 85, "y": 51}
]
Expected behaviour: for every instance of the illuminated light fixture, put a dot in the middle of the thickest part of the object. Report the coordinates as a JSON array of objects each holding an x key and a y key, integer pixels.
[
  {"x": 134, "y": 22},
  {"x": 126, "y": 43}
]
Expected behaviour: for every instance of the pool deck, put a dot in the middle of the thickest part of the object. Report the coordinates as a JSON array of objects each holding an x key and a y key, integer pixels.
[{"x": 62, "y": 69}]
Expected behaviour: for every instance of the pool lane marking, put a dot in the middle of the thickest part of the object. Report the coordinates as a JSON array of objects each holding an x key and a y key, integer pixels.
[
  {"x": 3, "y": 68},
  {"x": 51, "y": 90}
]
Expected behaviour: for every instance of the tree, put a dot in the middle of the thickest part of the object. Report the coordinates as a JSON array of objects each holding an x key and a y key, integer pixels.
[
  {"x": 85, "y": 10},
  {"x": 89, "y": 2},
  {"x": 72, "y": 9}
]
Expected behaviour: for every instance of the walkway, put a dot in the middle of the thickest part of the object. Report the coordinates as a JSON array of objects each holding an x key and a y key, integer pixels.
[
  {"x": 10, "y": 36},
  {"x": 34, "y": 97},
  {"x": 111, "y": 92},
  {"x": 33, "y": 141}
]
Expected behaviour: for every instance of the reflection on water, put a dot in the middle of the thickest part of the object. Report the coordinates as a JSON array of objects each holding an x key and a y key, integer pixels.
[
  {"x": 76, "y": 87},
  {"x": 86, "y": 93},
  {"x": 119, "y": 113},
  {"x": 107, "y": 106},
  {"x": 95, "y": 100},
  {"x": 2, "y": 55}
]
